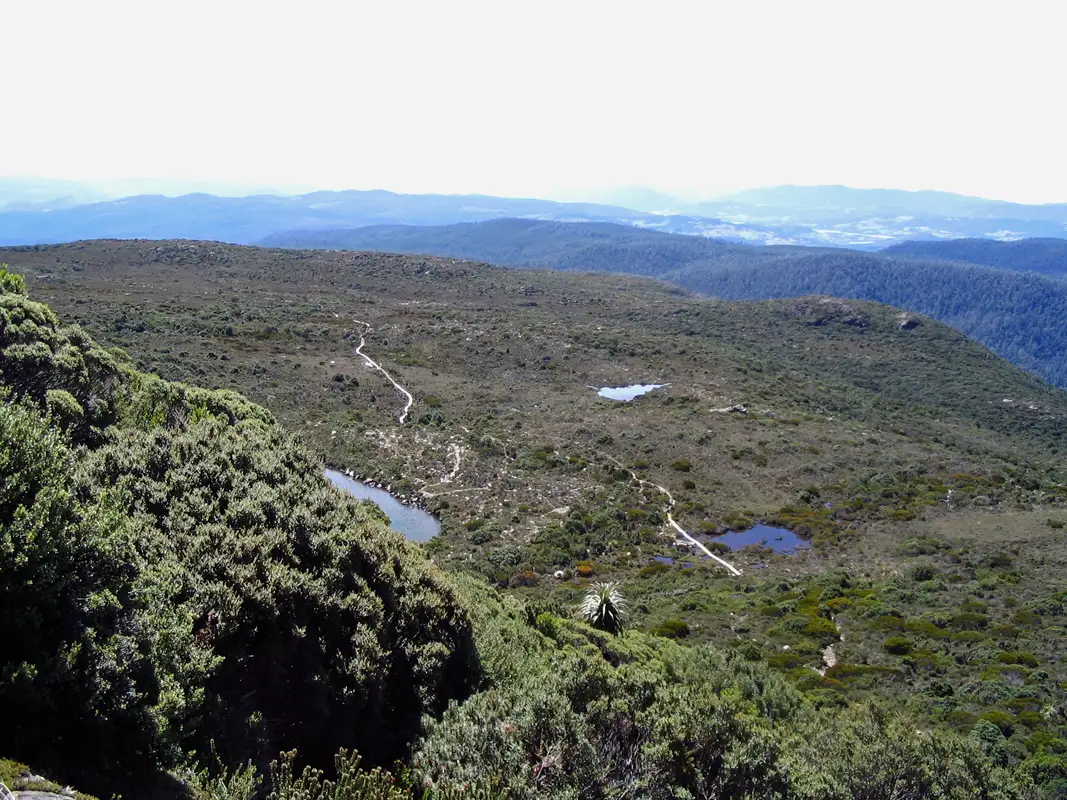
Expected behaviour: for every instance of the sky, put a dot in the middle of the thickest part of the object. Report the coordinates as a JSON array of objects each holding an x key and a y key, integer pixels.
[{"x": 524, "y": 98}]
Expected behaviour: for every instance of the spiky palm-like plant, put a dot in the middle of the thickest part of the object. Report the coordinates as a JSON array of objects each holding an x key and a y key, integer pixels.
[{"x": 604, "y": 607}]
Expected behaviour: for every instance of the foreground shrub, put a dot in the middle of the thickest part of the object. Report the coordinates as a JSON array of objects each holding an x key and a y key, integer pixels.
[{"x": 175, "y": 571}]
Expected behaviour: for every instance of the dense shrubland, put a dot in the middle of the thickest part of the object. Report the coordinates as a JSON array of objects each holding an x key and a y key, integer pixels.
[
  {"x": 176, "y": 571},
  {"x": 573, "y": 712}
]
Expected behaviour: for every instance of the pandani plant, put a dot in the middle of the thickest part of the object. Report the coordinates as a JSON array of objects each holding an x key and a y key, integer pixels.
[{"x": 604, "y": 607}]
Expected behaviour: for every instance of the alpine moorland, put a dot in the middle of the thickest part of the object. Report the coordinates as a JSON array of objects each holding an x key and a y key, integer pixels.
[
  {"x": 912, "y": 650},
  {"x": 999, "y": 301}
]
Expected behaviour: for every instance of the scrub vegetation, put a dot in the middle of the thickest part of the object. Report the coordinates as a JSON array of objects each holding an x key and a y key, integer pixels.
[
  {"x": 1016, "y": 308},
  {"x": 221, "y": 605}
]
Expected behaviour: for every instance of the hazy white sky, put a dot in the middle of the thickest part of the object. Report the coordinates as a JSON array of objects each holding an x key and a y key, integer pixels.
[{"x": 527, "y": 98}]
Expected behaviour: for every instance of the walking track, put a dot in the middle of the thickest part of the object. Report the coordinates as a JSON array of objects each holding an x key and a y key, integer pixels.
[{"x": 372, "y": 363}]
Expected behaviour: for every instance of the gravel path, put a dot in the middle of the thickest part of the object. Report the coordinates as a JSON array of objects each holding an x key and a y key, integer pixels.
[{"x": 372, "y": 363}]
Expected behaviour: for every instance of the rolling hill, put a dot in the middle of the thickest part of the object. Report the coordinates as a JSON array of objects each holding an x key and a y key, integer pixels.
[
  {"x": 1019, "y": 316},
  {"x": 246, "y": 219},
  {"x": 1043, "y": 256}
]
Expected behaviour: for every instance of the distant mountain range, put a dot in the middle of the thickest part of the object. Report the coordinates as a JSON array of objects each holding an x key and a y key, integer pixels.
[
  {"x": 247, "y": 219},
  {"x": 946, "y": 257},
  {"x": 35, "y": 212},
  {"x": 25, "y": 194},
  {"x": 44, "y": 194},
  {"x": 639, "y": 198},
  {"x": 1018, "y": 315},
  {"x": 816, "y": 201},
  {"x": 874, "y": 218}
]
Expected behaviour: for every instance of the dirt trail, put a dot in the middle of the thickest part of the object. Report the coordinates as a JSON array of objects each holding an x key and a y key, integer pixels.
[
  {"x": 457, "y": 456},
  {"x": 674, "y": 523},
  {"x": 372, "y": 363}
]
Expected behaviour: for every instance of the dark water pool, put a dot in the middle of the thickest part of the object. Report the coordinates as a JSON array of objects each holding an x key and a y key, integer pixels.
[{"x": 780, "y": 540}]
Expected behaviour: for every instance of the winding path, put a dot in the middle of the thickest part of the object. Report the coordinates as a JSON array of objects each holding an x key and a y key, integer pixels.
[
  {"x": 674, "y": 523},
  {"x": 457, "y": 454},
  {"x": 372, "y": 363}
]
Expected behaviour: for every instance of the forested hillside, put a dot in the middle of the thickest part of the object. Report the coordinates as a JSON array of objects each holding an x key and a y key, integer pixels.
[
  {"x": 1019, "y": 317},
  {"x": 1045, "y": 256}
]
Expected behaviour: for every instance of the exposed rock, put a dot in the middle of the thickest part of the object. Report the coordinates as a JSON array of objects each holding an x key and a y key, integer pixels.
[
  {"x": 906, "y": 321},
  {"x": 822, "y": 310},
  {"x": 829, "y": 657},
  {"x": 735, "y": 409}
]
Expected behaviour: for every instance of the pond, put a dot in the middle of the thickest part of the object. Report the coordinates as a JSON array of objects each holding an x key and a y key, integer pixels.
[
  {"x": 628, "y": 393},
  {"x": 780, "y": 540},
  {"x": 416, "y": 524}
]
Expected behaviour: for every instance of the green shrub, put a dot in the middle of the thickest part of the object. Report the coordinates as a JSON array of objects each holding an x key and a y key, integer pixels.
[
  {"x": 672, "y": 629},
  {"x": 786, "y": 660},
  {"x": 91, "y": 630},
  {"x": 822, "y": 630},
  {"x": 887, "y": 622},
  {"x": 969, "y": 621},
  {"x": 898, "y": 645},
  {"x": 653, "y": 568},
  {"x": 1002, "y": 720},
  {"x": 1027, "y": 618},
  {"x": 923, "y": 572},
  {"x": 1025, "y": 659},
  {"x": 481, "y": 535},
  {"x": 924, "y": 627},
  {"x": 64, "y": 407},
  {"x": 836, "y": 605},
  {"x": 958, "y": 718},
  {"x": 11, "y": 282}
]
